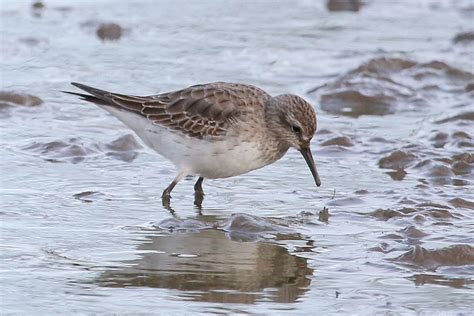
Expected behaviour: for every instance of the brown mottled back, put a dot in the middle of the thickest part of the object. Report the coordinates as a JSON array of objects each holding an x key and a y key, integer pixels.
[{"x": 199, "y": 111}]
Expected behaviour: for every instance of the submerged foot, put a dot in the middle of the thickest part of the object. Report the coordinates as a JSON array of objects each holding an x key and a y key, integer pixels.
[
  {"x": 198, "y": 198},
  {"x": 198, "y": 192},
  {"x": 166, "y": 200}
]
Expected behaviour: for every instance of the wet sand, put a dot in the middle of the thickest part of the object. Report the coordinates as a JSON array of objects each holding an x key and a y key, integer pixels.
[{"x": 389, "y": 231}]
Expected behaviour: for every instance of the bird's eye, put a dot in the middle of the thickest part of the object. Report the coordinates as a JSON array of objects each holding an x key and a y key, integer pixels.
[{"x": 296, "y": 129}]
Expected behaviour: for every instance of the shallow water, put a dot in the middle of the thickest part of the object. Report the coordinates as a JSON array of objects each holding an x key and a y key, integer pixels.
[{"x": 83, "y": 229}]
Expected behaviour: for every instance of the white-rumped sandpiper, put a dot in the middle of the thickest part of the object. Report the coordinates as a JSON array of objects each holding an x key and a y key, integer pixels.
[{"x": 214, "y": 130}]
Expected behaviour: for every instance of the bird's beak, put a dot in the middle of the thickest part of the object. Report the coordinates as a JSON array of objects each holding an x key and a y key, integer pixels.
[{"x": 306, "y": 152}]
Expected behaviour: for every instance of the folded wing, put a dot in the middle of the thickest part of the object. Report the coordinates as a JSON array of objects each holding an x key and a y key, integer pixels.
[{"x": 199, "y": 111}]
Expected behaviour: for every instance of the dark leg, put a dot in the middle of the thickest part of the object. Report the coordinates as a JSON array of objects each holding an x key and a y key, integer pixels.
[
  {"x": 167, "y": 191},
  {"x": 198, "y": 186},
  {"x": 198, "y": 192},
  {"x": 166, "y": 196}
]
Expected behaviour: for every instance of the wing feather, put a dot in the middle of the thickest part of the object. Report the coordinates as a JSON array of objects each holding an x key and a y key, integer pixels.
[{"x": 199, "y": 111}]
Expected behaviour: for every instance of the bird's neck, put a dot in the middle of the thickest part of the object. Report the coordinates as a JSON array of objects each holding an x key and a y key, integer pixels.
[{"x": 273, "y": 116}]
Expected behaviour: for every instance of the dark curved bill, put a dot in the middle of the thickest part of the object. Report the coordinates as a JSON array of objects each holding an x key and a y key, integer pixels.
[{"x": 306, "y": 152}]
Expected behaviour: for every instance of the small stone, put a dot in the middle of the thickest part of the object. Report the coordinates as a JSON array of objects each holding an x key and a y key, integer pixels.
[
  {"x": 397, "y": 160},
  {"x": 343, "y": 5},
  {"x": 461, "y": 168},
  {"x": 109, "y": 31},
  {"x": 469, "y": 87},
  {"x": 397, "y": 175},
  {"x": 8, "y": 98},
  {"x": 38, "y": 5},
  {"x": 342, "y": 141},
  {"x": 464, "y": 38}
]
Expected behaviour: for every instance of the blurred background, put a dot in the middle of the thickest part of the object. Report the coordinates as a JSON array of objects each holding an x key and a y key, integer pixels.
[{"x": 82, "y": 225}]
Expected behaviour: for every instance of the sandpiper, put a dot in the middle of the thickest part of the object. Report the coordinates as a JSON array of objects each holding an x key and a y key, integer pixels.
[{"x": 214, "y": 130}]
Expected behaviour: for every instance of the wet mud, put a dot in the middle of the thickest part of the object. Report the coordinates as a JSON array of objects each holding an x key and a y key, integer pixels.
[
  {"x": 464, "y": 38},
  {"x": 387, "y": 85},
  {"x": 455, "y": 255},
  {"x": 75, "y": 150},
  {"x": 10, "y": 99}
]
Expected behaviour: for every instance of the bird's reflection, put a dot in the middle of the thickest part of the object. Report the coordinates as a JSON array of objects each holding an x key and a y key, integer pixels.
[{"x": 208, "y": 266}]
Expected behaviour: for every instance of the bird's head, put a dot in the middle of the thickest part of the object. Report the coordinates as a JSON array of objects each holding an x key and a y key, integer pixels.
[{"x": 293, "y": 122}]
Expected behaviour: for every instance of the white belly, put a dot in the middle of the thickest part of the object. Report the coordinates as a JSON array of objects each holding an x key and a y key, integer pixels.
[{"x": 210, "y": 159}]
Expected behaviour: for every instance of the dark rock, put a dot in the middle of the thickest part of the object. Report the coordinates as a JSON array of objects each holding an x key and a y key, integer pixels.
[
  {"x": 8, "y": 98},
  {"x": 397, "y": 175},
  {"x": 462, "y": 203},
  {"x": 38, "y": 5},
  {"x": 397, "y": 160},
  {"x": 469, "y": 87},
  {"x": 466, "y": 157},
  {"x": 109, "y": 31},
  {"x": 439, "y": 170},
  {"x": 342, "y": 141},
  {"x": 461, "y": 135},
  {"x": 461, "y": 168},
  {"x": 460, "y": 182},
  {"x": 464, "y": 38},
  {"x": 75, "y": 150},
  {"x": 343, "y": 5},
  {"x": 440, "y": 139},
  {"x": 455, "y": 255},
  {"x": 466, "y": 116},
  {"x": 354, "y": 103}
]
